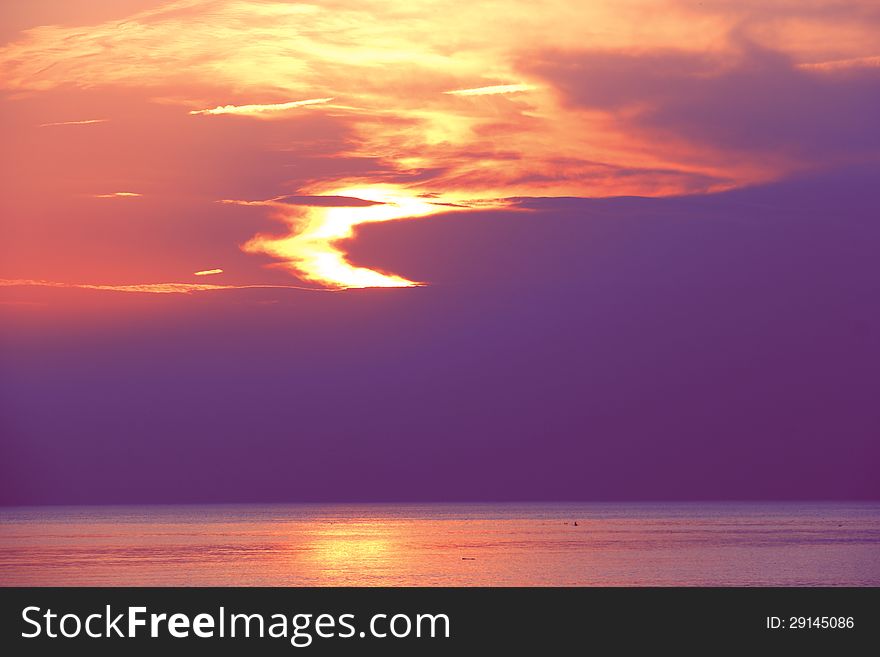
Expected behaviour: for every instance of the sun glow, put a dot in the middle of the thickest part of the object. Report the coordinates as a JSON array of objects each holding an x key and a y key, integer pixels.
[{"x": 312, "y": 249}]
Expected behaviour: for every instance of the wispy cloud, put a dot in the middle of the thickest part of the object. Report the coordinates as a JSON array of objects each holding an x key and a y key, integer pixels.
[
  {"x": 839, "y": 64},
  {"x": 492, "y": 90},
  {"x": 207, "y": 272},
  {"x": 118, "y": 195},
  {"x": 398, "y": 85},
  {"x": 321, "y": 200},
  {"x": 256, "y": 110},
  {"x": 151, "y": 288},
  {"x": 85, "y": 122}
]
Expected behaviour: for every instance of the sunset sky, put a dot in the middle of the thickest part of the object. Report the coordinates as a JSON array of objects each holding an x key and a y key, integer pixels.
[{"x": 632, "y": 247}]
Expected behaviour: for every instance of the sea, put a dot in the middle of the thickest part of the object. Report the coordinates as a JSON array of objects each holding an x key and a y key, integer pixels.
[{"x": 510, "y": 544}]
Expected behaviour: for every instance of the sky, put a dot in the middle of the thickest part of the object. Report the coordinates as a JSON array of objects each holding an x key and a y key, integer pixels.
[{"x": 383, "y": 250}]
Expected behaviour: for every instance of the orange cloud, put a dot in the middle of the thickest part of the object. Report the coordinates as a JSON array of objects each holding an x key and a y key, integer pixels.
[
  {"x": 148, "y": 288},
  {"x": 411, "y": 91},
  {"x": 492, "y": 90},
  {"x": 261, "y": 110},
  {"x": 85, "y": 122},
  {"x": 208, "y": 272},
  {"x": 402, "y": 92}
]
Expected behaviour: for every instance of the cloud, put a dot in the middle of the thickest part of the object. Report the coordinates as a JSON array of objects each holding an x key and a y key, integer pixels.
[
  {"x": 672, "y": 97},
  {"x": 86, "y": 122},
  {"x": 838, "y": 64},
  {"x": 148, "y": 288},
  {"x": 208, "y": 272},
  {"x": 261, "y": 110},
  {"x": 400, "y": 85},
  {"x": 118, "y": 195},
  {"x": 749, "y": 100},
  {"x": 310, "y": 200},
  {"x": 493, "y": 90}
]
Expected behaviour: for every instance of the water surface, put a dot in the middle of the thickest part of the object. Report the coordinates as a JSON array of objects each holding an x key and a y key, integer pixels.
[{"x": 443, "y": 544}]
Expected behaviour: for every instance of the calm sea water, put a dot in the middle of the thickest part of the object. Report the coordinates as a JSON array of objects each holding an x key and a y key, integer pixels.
[{"x": 437, "y": 544}]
